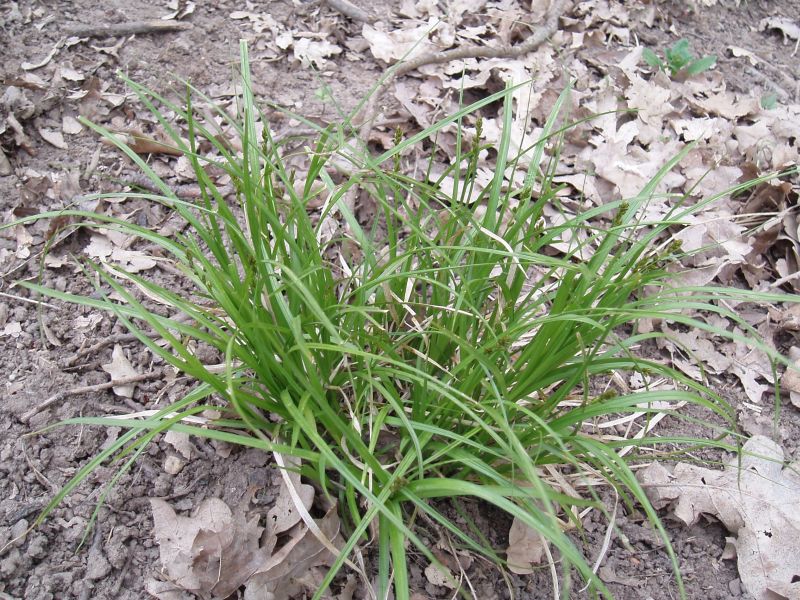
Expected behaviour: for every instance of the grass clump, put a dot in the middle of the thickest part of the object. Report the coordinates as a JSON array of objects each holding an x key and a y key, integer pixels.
[{"x": 453, "y": 359}]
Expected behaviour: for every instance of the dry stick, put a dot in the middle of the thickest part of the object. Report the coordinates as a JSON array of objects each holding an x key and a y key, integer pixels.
[
  {"x": 351, "y": 11},
  {"x": 87, "y": 389},
  {"x": 184, "y": 191},
  {"x": 536, "y": 39},
  {"x": 121, "y": 29}
]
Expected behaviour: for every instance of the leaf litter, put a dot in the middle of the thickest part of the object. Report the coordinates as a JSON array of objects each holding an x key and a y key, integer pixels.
[
  {"x": 219, "y": 548},
  {"x": 756, "y": 499}
]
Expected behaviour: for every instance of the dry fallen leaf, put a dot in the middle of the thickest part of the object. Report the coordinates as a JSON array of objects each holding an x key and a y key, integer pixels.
[
  {"x": 284, "y": 515},
  {"x": 738, "y": 52},
  {"x": 311, "y": 52},
  {"x": 212, "y": 552},
  {"x": 70, "y": 125},
  {"x": 525, "y": 548},
  {"x": 179, "y": 8},
  {"x": 5, "y": 165},
  {"x": 785, "y": 25},
  {"x": 142, "y": 143},
  {"x": 180, "y": 441},
  {"x": 390, "y": 46},
  {"x": 68, "y": 73},
  {"x": 54, "y": 138},
  {"x": 29, "y": 66},
  {"x": 217, "y": 550},
  {"x": 24, "y": 241},
  {"x": 728, "y": 105},
  {"x": 118, "y": 368},
  {"x": 132, "y": 261},
  {"x": 758, "y": 503},
  {"x": 651, "y": 100},
  {"x": 164, "y": 590},
  {"x": 277, "y": 578}
]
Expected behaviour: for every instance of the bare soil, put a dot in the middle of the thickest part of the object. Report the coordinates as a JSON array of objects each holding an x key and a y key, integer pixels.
[{"x": 120, "y": 554}]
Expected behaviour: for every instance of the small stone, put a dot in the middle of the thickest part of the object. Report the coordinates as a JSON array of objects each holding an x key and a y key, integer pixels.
[
  {"x": 173, "y": 465},
  {"x": 735, "y": 587},
  {"x": 97, "y": 567},
  {"x": 19, "y": 532},
  {"x": 222, "y": 449},
  {"x": 8, "y": 566},
  {"x": 162, "y": 485},
  {"x": 116, "y": 550},
  {"x": 38, "y": 547}
]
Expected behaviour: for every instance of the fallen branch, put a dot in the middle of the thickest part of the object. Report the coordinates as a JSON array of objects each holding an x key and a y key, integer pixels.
[
  {"x": 540, "y": 35},
  {"x": 87, "y": 389},
  {"x": 536, "y": 39},
  {"x": 122, "y": 29}
]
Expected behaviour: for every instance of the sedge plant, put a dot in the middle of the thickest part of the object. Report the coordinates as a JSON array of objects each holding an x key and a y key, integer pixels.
[{"x": 452, "y": 356}]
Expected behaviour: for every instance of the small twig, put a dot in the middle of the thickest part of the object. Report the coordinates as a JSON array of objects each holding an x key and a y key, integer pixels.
[
  {"x": 183, "y": 190},
  {"x": 92, "y": 365},
  {"x": 119, "y": 338},
  {"x": 121, "y": 29},
  {"x": 351, "y": 11},
  {"x": 87, "y": 389},
  {"x": 536, "y": 39}
]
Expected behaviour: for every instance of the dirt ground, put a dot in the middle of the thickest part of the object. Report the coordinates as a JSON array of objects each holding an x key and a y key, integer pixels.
[{"x": 121, "y": 556}]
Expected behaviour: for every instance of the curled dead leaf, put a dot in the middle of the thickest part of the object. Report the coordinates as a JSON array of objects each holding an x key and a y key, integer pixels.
[
  {"x": 145, "y": 144},
  {"x": 785, "y": 25},
  {"x": 303, "y": 552}
]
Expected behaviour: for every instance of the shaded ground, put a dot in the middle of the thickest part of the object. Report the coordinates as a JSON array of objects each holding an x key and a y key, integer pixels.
[{"x": 121, "y": 556}]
